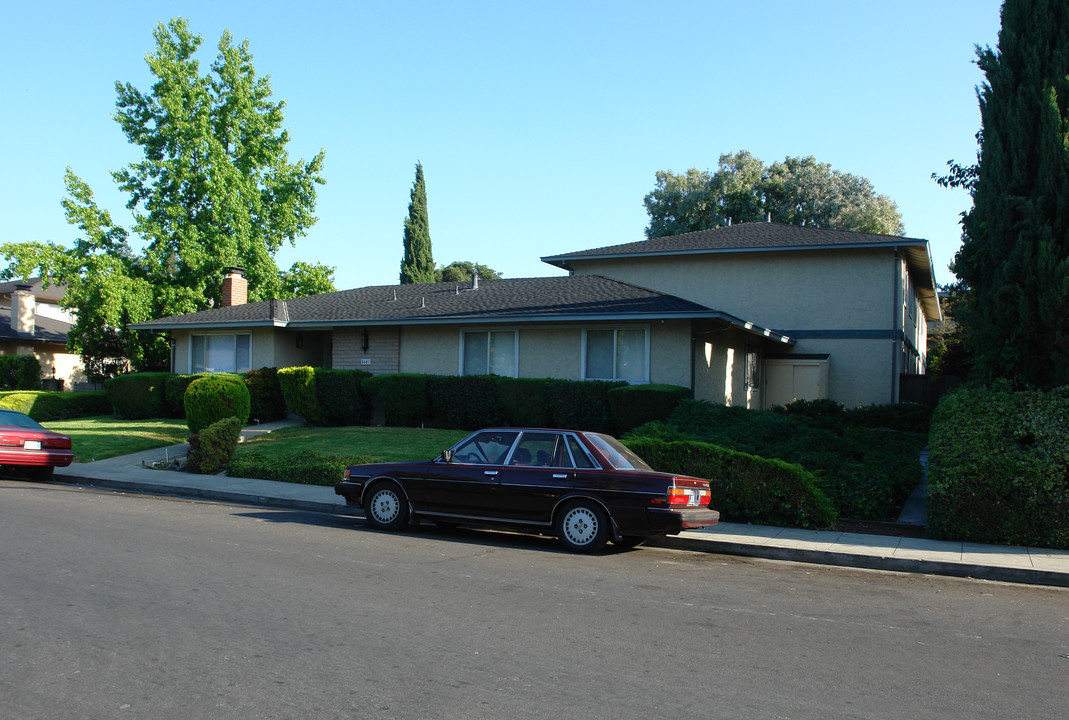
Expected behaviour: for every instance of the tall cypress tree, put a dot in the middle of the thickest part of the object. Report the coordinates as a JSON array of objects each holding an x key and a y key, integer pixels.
[
  {"x": 418, "y": 263},
  {"x": 1014, "y": 257}
]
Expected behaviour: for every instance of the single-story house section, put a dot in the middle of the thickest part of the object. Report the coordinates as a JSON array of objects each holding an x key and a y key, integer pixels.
[
  {"x": 756, "y": 315},
  {"x": 856, "y": 304},
  {"x": 33, "y": 323},
  {"x": 584, "y": 327}
]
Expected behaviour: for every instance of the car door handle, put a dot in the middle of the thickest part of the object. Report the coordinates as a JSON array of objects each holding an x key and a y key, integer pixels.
[
  {"x": 491, "y": 473},
  {"x": 560, "y": 476}
]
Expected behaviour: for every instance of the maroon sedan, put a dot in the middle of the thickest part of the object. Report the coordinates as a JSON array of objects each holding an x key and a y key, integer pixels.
[
  {"x": 586, "y": 488},
  {"x": 28, "y": 447}
]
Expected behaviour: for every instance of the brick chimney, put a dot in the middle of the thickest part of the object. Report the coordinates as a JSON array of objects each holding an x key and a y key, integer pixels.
[
  {"x": 23, "y": 310},
  {"x": 235, "y": 287}
]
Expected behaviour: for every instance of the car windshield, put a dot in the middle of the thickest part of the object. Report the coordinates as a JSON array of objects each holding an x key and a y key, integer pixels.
[
  {"x": 614, "y": 451},
  {"x": 17, "y": 419}
]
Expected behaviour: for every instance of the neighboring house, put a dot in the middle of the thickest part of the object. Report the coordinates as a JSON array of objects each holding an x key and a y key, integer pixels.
[
  {"x": 856, "y": 305},
  {"x": 33, "y": 323},
  {"x": 704, "y": 310}
]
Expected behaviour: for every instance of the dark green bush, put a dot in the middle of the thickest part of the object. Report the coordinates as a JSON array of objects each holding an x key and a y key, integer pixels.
[
  {"x": 174, "y": 392},
  {"x": 634, "y": 405},
  {"x": 999, "y": 467},
  {"x": 43, "y": 406},
  {"x": 580, "y": 405},
  {"x": 523, "y": 402},
  {"x": 467, "y": 402},
  {"x": 137, "y": 396},
  {"x": 304, "y": 466},
  {"x": 298, "y": 386},
  {"x": 20, "y": 372},
  {"x": 339, "y": 396},
  {"x": 867, "y": 473},
  {"x": 211, "y": 398},
  {"x": 745, "y": 488},
  {"x": 266, "y": 402},
  {"x": 907, "y": 417},
  {"x": 403, "y": 397},
  {"x": 213, "y": 447}
]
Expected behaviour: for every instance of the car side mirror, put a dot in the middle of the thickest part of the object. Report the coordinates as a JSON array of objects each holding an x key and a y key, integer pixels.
[{"x": 447, "y": 456}]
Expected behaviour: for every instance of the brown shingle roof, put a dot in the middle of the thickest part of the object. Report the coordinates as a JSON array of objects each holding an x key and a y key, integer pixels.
[
  {"x": 564, "y": 297},
  {"x": 742, "y": 237}
]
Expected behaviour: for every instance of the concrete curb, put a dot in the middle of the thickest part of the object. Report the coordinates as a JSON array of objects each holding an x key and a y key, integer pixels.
[{"x": 1028, "y": 576}]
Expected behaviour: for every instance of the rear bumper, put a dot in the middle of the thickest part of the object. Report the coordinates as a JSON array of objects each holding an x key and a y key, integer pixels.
[
  {"x": 672, "y": 522},
  {"x": 36, "y": 458}
]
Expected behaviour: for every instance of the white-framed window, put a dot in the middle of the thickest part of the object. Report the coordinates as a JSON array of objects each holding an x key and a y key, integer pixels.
[
  {"x": 221, "y": 353},
  {"x": 489, "y": 352},
  {"x": 617, "y": 353}
]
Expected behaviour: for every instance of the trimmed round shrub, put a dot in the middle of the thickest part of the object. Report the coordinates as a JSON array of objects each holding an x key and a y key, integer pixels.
[
  {"x": 213, "y": 398},
  {"x": 213, "y": 447}
]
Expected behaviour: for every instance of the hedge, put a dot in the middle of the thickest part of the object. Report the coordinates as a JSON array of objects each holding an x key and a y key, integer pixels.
[
  {"x": 867, "y": 473},
  {"x": 299, "y": 390},
  {"x": 303, "y": 466},
  {"x": 467, "y": 402},
  {"x": 137, "y": 396},
  {"x": 402, "y": 397},
  {"x": 20, "y": 372},
  {"x": 998, "y": 467},
  {"x": 745, "y": 488},
  {"x": 339, "y": 397},
  {"x": 43, "y": 406},
  {"x": 635, "y": 405},
  {"x": 266, "y": 402}
]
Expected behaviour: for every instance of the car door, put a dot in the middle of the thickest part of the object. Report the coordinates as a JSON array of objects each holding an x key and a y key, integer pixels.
[
  {"x": 539, "y": 471},
  {"x": 468, "y": 485}
]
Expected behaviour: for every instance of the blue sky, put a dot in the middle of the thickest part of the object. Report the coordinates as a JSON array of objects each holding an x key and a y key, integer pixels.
[{"x": 539, "y": 125}]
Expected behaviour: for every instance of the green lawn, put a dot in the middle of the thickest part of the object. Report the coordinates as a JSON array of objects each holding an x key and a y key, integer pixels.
[
  {"x": 387, "y": 444},
  {"x": 104, "y": 436}
]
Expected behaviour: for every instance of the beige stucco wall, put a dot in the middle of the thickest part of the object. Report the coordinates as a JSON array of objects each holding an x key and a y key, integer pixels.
[
  {"x": 270, "y": 348},
  {"x": 720, "y": 368},
  {"x": 546, "y": 351},
  {"x": 52, "y": 357},
  {"x": 844, "y": 289}
]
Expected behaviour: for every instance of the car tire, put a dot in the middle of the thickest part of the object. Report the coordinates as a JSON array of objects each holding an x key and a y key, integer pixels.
[
  {"x": 582, "y": 527},
  {"x": 386, "y": 507}
]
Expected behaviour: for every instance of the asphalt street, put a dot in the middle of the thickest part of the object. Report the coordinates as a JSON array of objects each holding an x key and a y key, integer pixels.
[{"x": 117, "y": 605}]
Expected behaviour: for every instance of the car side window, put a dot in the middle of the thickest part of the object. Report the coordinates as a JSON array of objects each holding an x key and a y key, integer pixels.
[
  {"x": 487, "y": 448},
  {"x": 540, "y": 449},
  {"x": 582, "y": 460}
]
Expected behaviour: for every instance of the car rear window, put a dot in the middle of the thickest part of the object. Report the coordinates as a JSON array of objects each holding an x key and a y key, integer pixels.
[
  {"x": 17, "y": 419},
  {"x": 616, "y": 453}
]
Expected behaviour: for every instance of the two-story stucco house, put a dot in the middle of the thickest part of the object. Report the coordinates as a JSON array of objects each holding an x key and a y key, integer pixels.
[
  {"x": 750, "y": 315},
  {"x": 33, "y": 323}
]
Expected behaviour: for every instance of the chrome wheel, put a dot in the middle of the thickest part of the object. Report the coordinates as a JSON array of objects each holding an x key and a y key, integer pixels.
[
  {"x": 583, "y": 527},
  {"x": 386, "y": 508}
]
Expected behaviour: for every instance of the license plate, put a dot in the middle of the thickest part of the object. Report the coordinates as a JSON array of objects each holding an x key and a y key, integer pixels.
[{"x": 32, "y": 445}]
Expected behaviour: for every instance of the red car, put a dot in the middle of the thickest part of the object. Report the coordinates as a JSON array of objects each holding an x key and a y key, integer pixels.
[
  {"x": 28, "y": 447},
  {"x": 586, "y": 488}
]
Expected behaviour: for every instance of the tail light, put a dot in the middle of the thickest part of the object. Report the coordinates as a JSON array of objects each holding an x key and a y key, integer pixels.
[
  {"x": 688, "y": 496},
  {"x": 63, "y": 443},
  {"x": 346, "y": 474}
]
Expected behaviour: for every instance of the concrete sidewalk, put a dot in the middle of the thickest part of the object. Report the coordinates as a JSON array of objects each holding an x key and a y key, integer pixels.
[{"x": 133, "y": 473}]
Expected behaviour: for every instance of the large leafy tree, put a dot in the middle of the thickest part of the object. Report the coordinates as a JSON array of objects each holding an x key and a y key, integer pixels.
[
  {"x": 464, "y": 270},
  {"x": 797, "y": 191},
  {"x": 1014, "y": 258},
  {"x": 417, "y": 266},
  {"x": 214, "y": 189}
]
